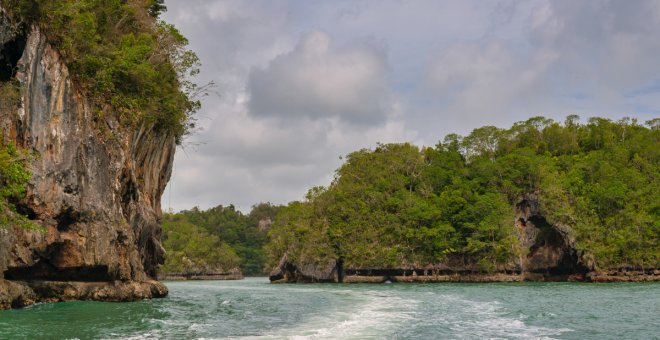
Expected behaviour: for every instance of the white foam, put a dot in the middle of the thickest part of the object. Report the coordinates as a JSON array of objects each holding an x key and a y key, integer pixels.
[
  {"x": 371, "y": 315},
  {"x": 487, "y": 320}
]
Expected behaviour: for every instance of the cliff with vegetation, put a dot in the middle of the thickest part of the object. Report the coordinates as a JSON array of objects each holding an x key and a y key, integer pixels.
[
  {"x": 538, "y": 201},
  {"x": 91, "y": 107}
]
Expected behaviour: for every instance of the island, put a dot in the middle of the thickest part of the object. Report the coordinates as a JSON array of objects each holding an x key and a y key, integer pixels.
[{"x": 539, "y": 201}]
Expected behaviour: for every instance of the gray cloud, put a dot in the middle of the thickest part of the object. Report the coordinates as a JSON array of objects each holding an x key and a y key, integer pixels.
[
  {"x": 551, "y": 58},
  {"x": 605, "y": 47},
  {"x": 318, "y": 79},
  {"x": 301, "y": 83}
]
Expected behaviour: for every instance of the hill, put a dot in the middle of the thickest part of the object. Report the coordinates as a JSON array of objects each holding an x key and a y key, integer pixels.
[{"x": 539, "y": 200}]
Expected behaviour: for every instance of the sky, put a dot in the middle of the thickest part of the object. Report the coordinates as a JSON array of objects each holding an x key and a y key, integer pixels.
[{"x": 300, "y": 84}]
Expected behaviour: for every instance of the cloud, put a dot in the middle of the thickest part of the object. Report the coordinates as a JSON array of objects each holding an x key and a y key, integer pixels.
[
  {"x": 301, "y": 83},
  {"x": 320, "y": 80},
  {"x": 241, "y": 158},
  {"x": 562, "y": 57},
  {"x": 473, "y": 80},
  {"x": 245, "y": 160},
  {"x": 605, "y": 47}
]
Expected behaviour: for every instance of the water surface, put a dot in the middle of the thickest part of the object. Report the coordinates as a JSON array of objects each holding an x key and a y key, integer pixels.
[{"x": 255, "y": 309}]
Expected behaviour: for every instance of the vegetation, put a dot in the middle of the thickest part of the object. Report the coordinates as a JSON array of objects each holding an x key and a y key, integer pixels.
[
  {"x": 240, "y": 238},
  {"x": 191, "y": 249},
  {"x": 13, "y": 181},
  {"x": 126, "y": 60},
  {"x": 402, "y": 206}
]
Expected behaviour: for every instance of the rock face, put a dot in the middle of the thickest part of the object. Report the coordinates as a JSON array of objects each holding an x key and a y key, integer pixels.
[
  {"x": 549, "y": 255},
  {"x": 289, "y": 272},
  {"x": 95, "y": 188}
]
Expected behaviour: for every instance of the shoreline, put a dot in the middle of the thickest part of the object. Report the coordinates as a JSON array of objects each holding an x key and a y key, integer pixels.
[
  {"x": 18, "y": 294},
  {"x": 364, "y": 276},
  {"x": 200, "y": 276}
]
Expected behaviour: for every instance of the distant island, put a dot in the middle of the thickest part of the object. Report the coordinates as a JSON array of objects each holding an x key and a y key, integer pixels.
[
  {"x": 220, "y": 243},
  {"x": 538, "y": 201}
]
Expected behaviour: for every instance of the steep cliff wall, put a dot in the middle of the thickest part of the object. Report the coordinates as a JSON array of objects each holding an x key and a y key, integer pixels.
[{"x": 95, "y": 188}]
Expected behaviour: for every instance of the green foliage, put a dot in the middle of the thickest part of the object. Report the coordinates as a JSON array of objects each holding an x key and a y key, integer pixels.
[
  {"x": 13, "y": 184},
  {"x": 156, "y": 7},
  {"x": 13, "y": 175},
  {"x": 123, "y": 57},
  {"x": 399, "y": 206},
  {"x": 10, "y": 95},
  {"x": 244, "y": 234},
  {"x": 191, "y": 249}
]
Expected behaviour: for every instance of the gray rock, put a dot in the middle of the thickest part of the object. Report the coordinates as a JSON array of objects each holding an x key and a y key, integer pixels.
[{"x": 95, "y": 188}]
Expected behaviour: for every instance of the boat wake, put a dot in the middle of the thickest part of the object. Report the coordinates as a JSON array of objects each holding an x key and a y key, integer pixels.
[
  {"x": 362, "y": 315},
  {"x": 379, "y": 314}
]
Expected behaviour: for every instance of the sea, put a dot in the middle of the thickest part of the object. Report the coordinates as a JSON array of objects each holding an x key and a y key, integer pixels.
[{"x": 255, "y": 309}]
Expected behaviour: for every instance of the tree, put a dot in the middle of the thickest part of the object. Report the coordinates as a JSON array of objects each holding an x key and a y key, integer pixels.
[
  {"x": 157, "y": 7},
  {"x": 190, "y": 249},
  {"x": 401, "y": 206}
]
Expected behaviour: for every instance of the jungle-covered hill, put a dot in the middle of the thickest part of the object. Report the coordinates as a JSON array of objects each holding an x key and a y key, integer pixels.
[
  {"x": 402, "y": 206},
  {"x": 217, "y": 240}
]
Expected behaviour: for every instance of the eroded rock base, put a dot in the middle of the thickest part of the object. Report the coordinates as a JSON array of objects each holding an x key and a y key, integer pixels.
[
  {"x": 17, "y": 294},
  {"x": 200, "y": 276},
  {"x": 289, "y": 273},
  {"x": 625, "y": 276}
]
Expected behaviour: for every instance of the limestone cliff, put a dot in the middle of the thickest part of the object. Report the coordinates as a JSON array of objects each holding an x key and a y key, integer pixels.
[{"x": 95, "y": 188}]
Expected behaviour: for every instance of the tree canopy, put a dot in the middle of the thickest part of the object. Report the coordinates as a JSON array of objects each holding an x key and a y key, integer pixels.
[
  {"x": 128, "y": 62},
  {"x": 190, "y": 249},
  {"x": 399, "y": 205},
  {"x": 13, "y": 184},
  {"x": 241, "y": 237}
]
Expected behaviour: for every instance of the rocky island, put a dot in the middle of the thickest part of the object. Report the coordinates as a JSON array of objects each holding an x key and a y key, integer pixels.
[
  {"x": 94, "y": 99},
  {"x": 96, "y": 138},
  {"x": 540, "y": 201}
]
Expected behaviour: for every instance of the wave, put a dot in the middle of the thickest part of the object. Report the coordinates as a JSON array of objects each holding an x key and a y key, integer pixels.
[
  {"x": 378, "y": 314},
  {"x": 345, "y": 312},
  {"x": 364, "y": 315},
  {"x": 467, "y": 319}
]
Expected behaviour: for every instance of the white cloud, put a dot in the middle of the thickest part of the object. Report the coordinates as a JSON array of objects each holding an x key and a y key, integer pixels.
[
  {"x": 477, "y": 81},
  {"x": 318, "y": 80}
]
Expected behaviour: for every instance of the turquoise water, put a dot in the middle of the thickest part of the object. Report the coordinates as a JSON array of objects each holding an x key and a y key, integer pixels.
[{"x": 255, "y": 309}]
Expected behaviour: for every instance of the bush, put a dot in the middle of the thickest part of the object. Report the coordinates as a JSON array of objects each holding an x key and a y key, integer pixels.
[
  {"x": 124, "y": 58},
  {"x": 13, "y": 183}
]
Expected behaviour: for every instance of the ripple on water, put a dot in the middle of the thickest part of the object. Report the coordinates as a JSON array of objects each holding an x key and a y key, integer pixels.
[
  {"x": 359, "y": 315},
  {"x": 254, "y": 309}
]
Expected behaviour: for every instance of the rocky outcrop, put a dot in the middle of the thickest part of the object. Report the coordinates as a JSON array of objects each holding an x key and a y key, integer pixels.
[
  {"x": 549, "y": 254},
  {"x": 95, "y": 188},
  {"x": 307, "y": 272}
]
